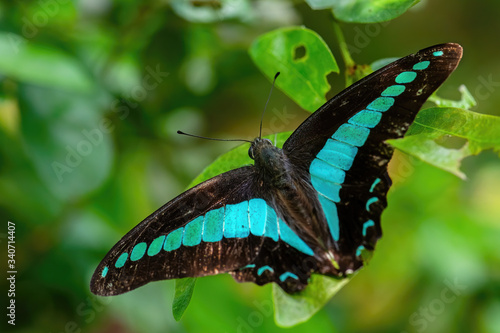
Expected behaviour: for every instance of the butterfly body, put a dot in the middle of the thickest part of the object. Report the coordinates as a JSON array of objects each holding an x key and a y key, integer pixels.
[
  {"x": 313, "y": 206},
  {"x": 285, "y": 187},
  {"x": 271, "y": 164}
]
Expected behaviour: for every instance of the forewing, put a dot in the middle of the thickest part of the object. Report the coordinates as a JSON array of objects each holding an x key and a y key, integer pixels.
[
  {"x": 170, "y": 243},
  {"x": 342, "y": 145},
  {"x": 225, "y": 224}
]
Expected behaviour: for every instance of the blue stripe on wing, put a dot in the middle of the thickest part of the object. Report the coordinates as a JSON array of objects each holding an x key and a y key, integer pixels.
[
  {"x": 329, "y": 167},
  {"x": 240, "y": 220}
]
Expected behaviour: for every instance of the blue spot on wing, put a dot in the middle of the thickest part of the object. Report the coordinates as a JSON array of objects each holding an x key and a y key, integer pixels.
[
  {"x": 331, "y": 215},
  {"x": 351, "y": 134},
  {"x": 366, "y": 118},
  {"x": 289, "y": 237},
  {"x": 393, "y": 91},
  {"x": 381, "y": 104},
  {"x": 271, "y": 229},
  {"x": 359, "y": 249},
  {"x": 174, "y": 240},
  {"x": 258, "y": 216},
  {"x": 374, "y": 184},
  {"x": 326, "y": 188},
  {"x": 406, "y": 77},
  {"x": 421, "y": 65},
  {"x": 104, "y": 271},
  {"x": 213, "y": 225},
  {"x": 366, "y": 225},
  {"x": 369, "y": 202},
  {"x": 192, "y": 232},
  {"x": 120, "y": 262},
  {"x": 236, "y": 224},
  {"x": 262, "y": 269},
  {"x": 338, "y": 154},
  {"x": 156, "y": 246},
  {"x": 287, "y": 275},
  {"x": 138, "y": 251},
  {"x": 326, "y": 171}
]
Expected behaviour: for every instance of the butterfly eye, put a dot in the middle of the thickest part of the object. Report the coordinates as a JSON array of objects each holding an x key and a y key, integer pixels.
[
  {"x": 250, "y": 152},
  {"x": 268, "y": 141}
]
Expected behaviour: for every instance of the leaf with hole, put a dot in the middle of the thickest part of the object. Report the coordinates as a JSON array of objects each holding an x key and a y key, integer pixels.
[
  {"x": 466, "y": 101},
  {"x": 364, "y": 11},
  {"x": 206, "y": 11},
  {"x": 303, "y": 59}
]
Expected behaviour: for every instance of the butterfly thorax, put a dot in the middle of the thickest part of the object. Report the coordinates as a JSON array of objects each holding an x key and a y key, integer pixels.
[{"x": 271, "y": 163}]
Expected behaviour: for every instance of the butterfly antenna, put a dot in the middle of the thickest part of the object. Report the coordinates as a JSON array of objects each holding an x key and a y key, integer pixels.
[
  {"x": 213, "y": 139},
  {"x": 265, "y": 107}
]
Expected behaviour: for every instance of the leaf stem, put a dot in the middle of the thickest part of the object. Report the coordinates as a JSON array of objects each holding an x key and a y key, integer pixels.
[{"x": 344, "y": 50}]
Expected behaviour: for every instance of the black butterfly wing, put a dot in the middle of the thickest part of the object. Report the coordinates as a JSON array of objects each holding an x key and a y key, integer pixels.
[
  {"x": 156, "y": 248},
  {"x": 226, "y": 224},
  {"x": 342, "y": 145}
]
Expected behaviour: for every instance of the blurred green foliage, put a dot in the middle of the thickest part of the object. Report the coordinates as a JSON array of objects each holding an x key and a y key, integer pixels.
[{"x": 91, "y": 94}]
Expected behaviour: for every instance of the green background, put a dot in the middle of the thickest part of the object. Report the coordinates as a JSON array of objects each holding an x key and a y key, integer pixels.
[{"x": 70, "y": 68}]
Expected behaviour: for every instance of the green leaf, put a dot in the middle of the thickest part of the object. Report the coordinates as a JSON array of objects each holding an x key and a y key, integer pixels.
[
  {"x": 364, "y": 11},
  {"x": 321, "y": 4},
  {"x": 291, "y": 310},
  {"x": 212, "y": 11},
  {"x": 32, "y": 63},
  {"x": 466, "y": 101},
  {"x": 303, "y": 59},
  {"x": 183, "y": 291},
  {"x": 433, "y": 124}
]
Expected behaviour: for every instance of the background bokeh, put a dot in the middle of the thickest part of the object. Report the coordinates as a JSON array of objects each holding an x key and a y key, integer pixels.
[{"x": 91, "y": 95}]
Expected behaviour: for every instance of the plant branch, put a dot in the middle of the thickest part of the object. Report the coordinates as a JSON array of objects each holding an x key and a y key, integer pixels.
[{"x": 344, "y": 50}]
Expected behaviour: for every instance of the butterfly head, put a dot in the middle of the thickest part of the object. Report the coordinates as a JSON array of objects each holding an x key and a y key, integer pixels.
[{"x": 257, "y": 146}]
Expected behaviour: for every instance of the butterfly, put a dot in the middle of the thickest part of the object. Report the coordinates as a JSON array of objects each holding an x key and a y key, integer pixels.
[{"x": 313, "y": 206}]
